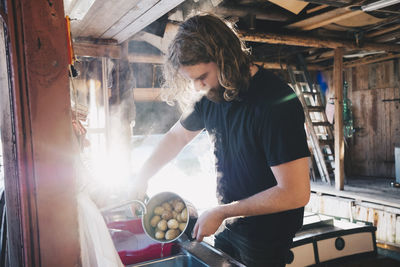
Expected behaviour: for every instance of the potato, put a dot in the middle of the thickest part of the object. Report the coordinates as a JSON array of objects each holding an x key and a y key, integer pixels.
[
  {"x": 167, "y": 206},
  {"x": 173, "y": 224},
  {"x": 173, "y": 202},
  {"x": 159, "y": 234},
  {"x": 182, "y": 226},
  {"x": 167, "y": 215},
  {"x": 174, "y": 214},
  {"x": 162, "y": 225},
  {"x": 154, "y": 221},
  {"x": 171, "y": 234},
  {"x": 179, "y": 218},
  {"x": 184, "y": 216},
  {"x": 179, "y": 206},
  {"x": 158, "y": 210}
]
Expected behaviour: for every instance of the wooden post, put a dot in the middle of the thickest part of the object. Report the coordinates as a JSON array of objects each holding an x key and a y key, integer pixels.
[
  {"x": 40, "y": 181},
  {"x": 339, "y": 139}
]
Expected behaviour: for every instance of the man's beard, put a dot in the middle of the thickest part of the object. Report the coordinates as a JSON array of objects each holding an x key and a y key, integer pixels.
[{"x": 216, "y": 95}]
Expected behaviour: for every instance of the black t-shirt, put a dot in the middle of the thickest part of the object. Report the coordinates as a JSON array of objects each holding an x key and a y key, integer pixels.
[{"x": 265, "y": 128}]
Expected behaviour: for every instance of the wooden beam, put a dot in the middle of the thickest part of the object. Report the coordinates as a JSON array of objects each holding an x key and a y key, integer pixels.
[
  {"x": 273, "y": 13},
  {"x": 338, "y": 3},
  {"x": 147, "y": 94},
  {"x": 388, "y": 37},
  {"x": 323, "y": 19},
  {"x": 317, "y": 8},
  {"x": 159, "y": 59},
  {"x": 97, "y": 50},
  {"x": 277, "y": 65},
  {"x": 365, "y": 61},
  {"x": 338, "y": 126},
  {"x": 383, "y": 31},
  {"x": 330, "y": 20},
  {"x": 145, "y": 58},
  {"x": 44, "y": 192},
  {"x": 370, "y": 60},
  {"x": 293, "y": 6},
  {"x": 383, "y": 23},
  {"x": 272, "y": 38}
]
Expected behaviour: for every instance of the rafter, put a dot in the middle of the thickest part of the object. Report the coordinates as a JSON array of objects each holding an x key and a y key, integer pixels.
[{"x": 313, "y": 42}]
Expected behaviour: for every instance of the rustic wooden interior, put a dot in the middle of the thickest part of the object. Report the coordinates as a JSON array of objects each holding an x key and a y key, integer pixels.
[{"x": 336, "y": 38}]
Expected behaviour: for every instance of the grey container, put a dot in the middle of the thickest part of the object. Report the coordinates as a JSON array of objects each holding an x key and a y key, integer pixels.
[{"x": 157, "y": 200}]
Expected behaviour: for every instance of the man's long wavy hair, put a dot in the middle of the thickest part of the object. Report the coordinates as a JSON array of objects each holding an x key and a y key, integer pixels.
[{"x": 202, "y": 39}]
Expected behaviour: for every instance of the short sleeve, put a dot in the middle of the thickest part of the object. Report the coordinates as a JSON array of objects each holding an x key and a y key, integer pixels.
[
  {"x": 283, "y": 134},
  {"x": 192, "y": 119}
]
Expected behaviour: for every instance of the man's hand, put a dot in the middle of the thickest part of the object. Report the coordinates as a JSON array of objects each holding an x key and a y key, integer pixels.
[
  {"x": 138, "y": 189},
  {"x": 208, "y": 223}
]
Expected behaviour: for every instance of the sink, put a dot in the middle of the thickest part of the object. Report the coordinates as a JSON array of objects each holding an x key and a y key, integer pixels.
[
  {"x": 194, "y": 254},
  {"x": 178, "y": 260}
]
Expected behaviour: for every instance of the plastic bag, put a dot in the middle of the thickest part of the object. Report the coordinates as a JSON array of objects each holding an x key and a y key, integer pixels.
[{"x": 97, "y": 247}]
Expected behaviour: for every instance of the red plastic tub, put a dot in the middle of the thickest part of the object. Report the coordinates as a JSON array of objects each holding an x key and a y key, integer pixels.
[{"x": 134, "y": 246}]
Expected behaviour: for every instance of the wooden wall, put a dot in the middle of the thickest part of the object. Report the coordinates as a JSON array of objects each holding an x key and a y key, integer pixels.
[{"x": 376, "y": 119}]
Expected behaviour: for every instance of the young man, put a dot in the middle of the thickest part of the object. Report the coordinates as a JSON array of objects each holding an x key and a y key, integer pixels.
[{"x": 257, "y": 125}]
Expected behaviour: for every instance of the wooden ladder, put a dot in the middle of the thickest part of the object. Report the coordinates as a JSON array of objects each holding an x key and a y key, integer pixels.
[{"x": 319, "y": 130}]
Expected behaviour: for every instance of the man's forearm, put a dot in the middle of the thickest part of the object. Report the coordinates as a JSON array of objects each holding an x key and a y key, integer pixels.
[
  {"x": 272, "y": 200},
  {"x": 292, "y": 191},
  {"x": 169, "y": 147},
  {"x": 165, "y": 151}
]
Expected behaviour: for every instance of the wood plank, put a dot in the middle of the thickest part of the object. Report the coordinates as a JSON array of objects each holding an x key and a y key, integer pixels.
[
  {"x": 79, "y": 26},
  {"x": 389, "y": 146},
  {"x": 383, "y": 23},
  {"x": 274, "y": 14},
  {"x": 370, "y": 60},
  {"x": 393, "y": 125},
  {"x": 335, "y": 3},
  {"x": 317, "y": 8},
  {"x": 97, "y": 50},
  {"x": 397, "y": 240},
  {"x": 383, "y": 31},
  {"x": 323, "y": 19},
  {"x": 129, "y": 17},
  {"x": 102, "y": 15},
  {"x": 372, "y": 148},
  {"x": 362, "y": 77},
  {"x": 377, "y": 134},
  {"x": 306, "y": 41},
  {"x": 338, "y": 127},
  {"x": 385, "y": 79},
  {"x": 357, "y": 194},
  {"x": 293, "y": 6},
  {"x": 147, "y": 94},
  {"x": 11, "y": 182},
  {"x": 368, "y": 164},
  {"x": 337, "y": 19},
  {"x": 43, "y": 140},
  {"x": 360, "y": 143},
  {"x": 156, "y": 11},
  {"x": 359, "y": 20},
  {"x": 392, "y": 36},
  {"x": 145, "y": 58}
]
